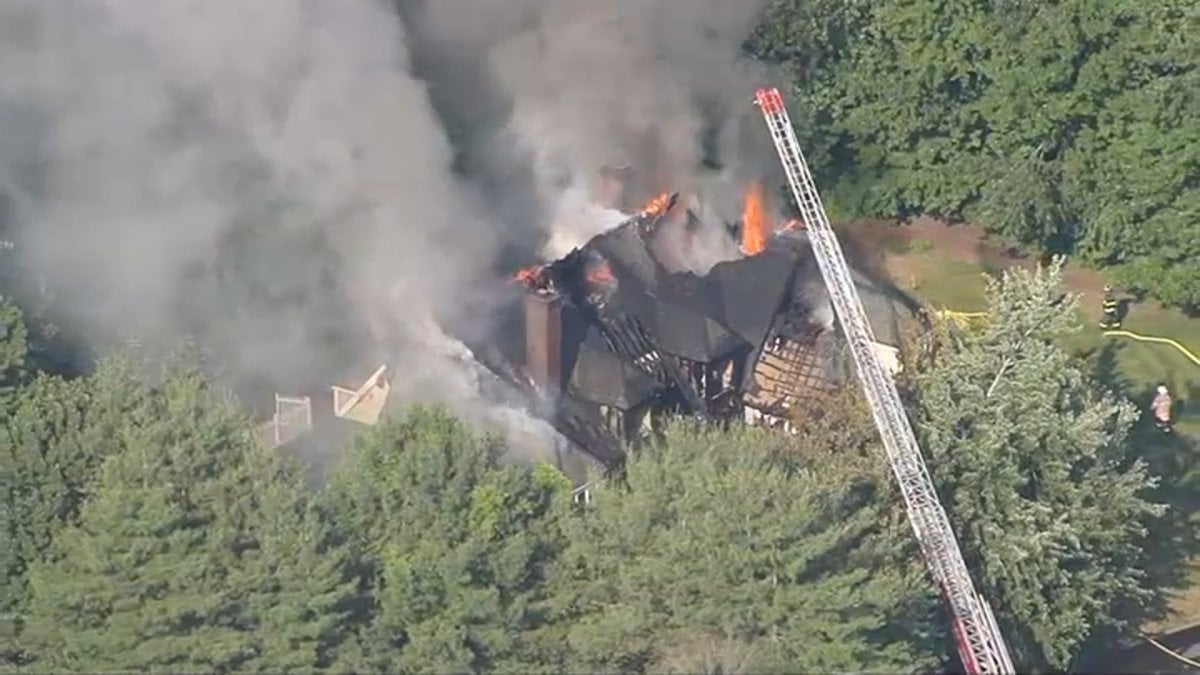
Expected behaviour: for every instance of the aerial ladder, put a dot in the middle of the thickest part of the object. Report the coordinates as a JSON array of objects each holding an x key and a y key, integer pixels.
[{"x": 980, "y": 644}]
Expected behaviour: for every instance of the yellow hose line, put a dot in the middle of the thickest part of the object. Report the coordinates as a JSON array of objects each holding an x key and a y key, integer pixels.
[
  {"x": 965, "y": 316},
  {"x": 961, "y": 317},
  {"x": 1169, "y": 652},
  {"x": 1161, "y": 340}
]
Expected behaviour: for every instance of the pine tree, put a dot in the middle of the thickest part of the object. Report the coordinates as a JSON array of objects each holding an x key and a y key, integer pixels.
[
  {"x": 14, "y": 347},
  {"x": 53, "y": 436},
  {"x": 1062, "y": 127},
  {"x": 453, "y": 547},
  {"x": 46, "y": 472},
  {"x": 734, "y": 540},
  {"x": 1031, "y": 458},
  {"x": 199, "y": 551}
]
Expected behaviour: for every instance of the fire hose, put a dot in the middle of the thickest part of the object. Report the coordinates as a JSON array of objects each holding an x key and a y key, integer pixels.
[{"x": 965, "y": 317}]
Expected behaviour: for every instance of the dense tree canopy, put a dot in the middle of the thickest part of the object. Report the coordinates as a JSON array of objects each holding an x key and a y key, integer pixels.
[
  {"x": 452, "y": 546},
  {"x": 470, "y": 565},
  {"x": 1065, "y": 126},
  {"x": 149, "y": 530},
  {"x": 13, "y": 344},
  {"x": 728, "y": 552},
  {"x": 1034, "y": 465},
  {"x": 143, "y": 526},
  {"x": 48, "y": 470},
  {"x": 198, "y": 551}
]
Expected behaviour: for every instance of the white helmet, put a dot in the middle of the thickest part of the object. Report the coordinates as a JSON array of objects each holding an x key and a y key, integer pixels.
[{"x": 1162, "y": 389}]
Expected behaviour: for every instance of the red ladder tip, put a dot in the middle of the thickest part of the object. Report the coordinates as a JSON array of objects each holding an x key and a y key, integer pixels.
[{"x": 769, "y": 99}]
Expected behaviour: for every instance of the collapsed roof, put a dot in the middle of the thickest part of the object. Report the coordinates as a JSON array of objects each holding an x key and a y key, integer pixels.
[{"x": 613, "y": 338}]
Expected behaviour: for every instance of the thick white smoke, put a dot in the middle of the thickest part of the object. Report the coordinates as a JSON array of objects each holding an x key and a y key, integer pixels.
[
  {"x": 265, "y": 174},
  {"x": 575, "y": 217},
  {"x": 272, "y": 176},
  {"x": 321, "y": 91},
  {"x": 576, "y": 85},
  {"x": 182, "y": 149}
]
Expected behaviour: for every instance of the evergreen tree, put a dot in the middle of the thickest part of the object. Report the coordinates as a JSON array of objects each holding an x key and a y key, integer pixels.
[
  {"x": 1065, "y": 126},
  {"x": 769, "y": 554},
  {"x": 46, "y": 472},
  {"x": 1032, "y": 461},
  {"x": 13, "y": 345},
  {"x": 199, "y": 551},
  {"x": 53, "y": 436},
  {"x": 453, "y": 547}
]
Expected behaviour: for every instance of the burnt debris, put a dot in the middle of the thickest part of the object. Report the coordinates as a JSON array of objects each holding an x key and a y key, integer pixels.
[{"x": 610, "y": 342}]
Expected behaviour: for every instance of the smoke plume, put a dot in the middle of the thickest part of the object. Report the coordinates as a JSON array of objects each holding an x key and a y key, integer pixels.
[
  {"x": 282, "y": 178},
  {"x": 267, "y": 174},
  {"x": 563, "y": 88}
]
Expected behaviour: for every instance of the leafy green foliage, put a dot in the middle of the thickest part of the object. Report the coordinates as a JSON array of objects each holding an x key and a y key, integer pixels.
[
  {"x": 727, "y": 539},
  {"x": 195, "y": 549},
  {"x": 199, "y": 551},
  {"x": 454, "y": 547},
  {"x": 47, "y": 470},
  {"x": 1062, "y": 126},
  {"x": 144, "y": 529},
  {"x": 1034, "y": 466},
  {"x": 13, "y": 345},
  {"x": 53, "y": 436}
]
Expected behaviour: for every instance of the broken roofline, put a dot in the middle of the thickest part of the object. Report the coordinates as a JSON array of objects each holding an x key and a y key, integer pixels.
[
  {"x": 701, "y": 319},
  {"x": 645, "y": 221}
]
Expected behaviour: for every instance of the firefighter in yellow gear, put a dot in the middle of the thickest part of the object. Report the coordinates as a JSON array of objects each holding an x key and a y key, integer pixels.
[{"x": 1112, "y": 318}]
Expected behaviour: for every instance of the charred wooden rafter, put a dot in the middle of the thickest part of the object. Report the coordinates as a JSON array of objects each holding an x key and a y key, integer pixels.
[
  {"x": 760, "y": 357},
  {"x": 789, "y": 371}
]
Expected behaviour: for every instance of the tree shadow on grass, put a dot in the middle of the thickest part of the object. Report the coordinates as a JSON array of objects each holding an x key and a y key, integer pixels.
[{"x": 1173, "y": 540}]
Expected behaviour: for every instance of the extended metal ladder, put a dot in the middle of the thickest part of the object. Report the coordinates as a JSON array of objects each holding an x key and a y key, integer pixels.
[{"x": 980, "y": 645}]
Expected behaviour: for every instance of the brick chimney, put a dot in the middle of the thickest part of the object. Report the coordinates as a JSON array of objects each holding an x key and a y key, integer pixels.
[{"x": 543, "y": 340}]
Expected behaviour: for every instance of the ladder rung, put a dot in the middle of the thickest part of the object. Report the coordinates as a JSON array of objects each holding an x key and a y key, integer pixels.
[{"x": 936, "y": 537}]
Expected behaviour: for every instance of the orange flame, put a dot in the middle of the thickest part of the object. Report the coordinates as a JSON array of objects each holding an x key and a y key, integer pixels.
[
  {"x": 755, "y": 224},
  {"x": 657, "y": 207},
  {"x": 531, "y": 276},
  {"x": 600, "y": 273}
]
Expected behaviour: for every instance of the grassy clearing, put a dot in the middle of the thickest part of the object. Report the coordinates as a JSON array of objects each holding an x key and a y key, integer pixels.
[
  {"x": 1146, "y": 365},
  {"x": 1184, "y": 604},
  {"x": 945, "y": 281},
  {"x": 947, "y": 273}
]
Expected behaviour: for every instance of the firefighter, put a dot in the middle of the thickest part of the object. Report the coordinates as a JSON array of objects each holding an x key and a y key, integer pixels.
[
  {"x": 1162, "y": 410},
  {"x": 1111, "y": 320}
]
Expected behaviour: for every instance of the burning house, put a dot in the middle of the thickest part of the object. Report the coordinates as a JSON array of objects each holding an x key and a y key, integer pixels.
[{"x": 611, "y": 341}]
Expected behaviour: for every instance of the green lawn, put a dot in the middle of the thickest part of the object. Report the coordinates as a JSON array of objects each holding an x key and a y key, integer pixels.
[
  {"x": 948, "y": 283},
  {"x": 943, "y": 282},
  {"x": 1147, "y": 364},
  {"x": 1184, "y": 604}
]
